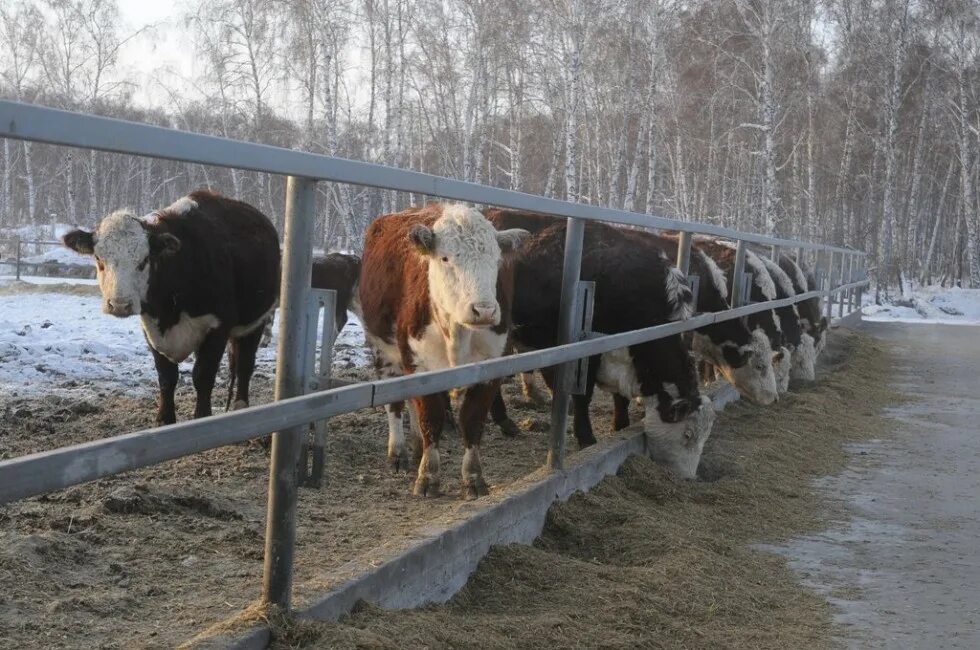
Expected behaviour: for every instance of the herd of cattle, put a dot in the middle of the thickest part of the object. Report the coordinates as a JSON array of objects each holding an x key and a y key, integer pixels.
[{"x": 446, "y": 284}]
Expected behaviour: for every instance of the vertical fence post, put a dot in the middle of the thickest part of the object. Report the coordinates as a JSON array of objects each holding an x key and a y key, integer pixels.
[
  {"x": 571, "y": 270},
  {"x": 684, "y": 253},
  {"x": 774, "y": 254},
  {"x": 829, "y": 307},
  {"x": 280, "y": 527},
  {"x": 850, "y": 279},
  {"x": 737, "y": 274},
  {"x": 18, "y": 259}
]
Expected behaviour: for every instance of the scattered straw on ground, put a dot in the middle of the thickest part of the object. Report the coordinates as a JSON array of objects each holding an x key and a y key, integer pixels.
[{"x": 645, "y": 560}]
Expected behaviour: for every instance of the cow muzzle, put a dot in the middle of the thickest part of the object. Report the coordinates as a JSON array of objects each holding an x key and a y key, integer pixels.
[
  {"x": 119, "y": 307},
  {"x": 483, "y": 314}
]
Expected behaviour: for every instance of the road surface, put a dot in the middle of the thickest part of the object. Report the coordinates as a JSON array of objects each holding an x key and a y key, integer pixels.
[{"x": 904, "y": 572}]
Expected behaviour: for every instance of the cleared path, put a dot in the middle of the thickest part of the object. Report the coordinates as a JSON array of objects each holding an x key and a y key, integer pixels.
[{"x": 904, "y": 570}]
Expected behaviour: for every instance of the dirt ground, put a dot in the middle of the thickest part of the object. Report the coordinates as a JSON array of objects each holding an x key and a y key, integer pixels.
[{"x": 150, "y": 558}]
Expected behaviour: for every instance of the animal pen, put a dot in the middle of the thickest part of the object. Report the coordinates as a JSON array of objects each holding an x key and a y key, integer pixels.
[{"x": 305, "y": 393}]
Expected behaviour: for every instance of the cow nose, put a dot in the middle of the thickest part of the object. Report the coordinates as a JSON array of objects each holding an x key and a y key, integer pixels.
[
  {"x": 120, "y": 307},
  {"x": 483, "y": 312}
]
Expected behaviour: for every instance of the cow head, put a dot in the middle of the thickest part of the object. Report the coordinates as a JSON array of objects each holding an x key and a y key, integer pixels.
[
  {"x": 678, "y": 443},
  {"x": 123, "y": 247},
  {"x": 804, "y": 359},
  {"x": 749, "y": 369},
  {"x": 464, "y": 252}
]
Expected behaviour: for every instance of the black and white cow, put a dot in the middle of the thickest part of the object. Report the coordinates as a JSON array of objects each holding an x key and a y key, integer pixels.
[
  {"x": 636, "y": 287},
  {"x": 812, "y": 319},
  {"x": 803, "y": 355},
  {"x": 200, "y": 273}
]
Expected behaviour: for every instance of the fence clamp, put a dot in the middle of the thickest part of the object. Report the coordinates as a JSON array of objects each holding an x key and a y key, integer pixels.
[
  {"x": 584, "y": 305},
  {"x": 312, "y": 457}
]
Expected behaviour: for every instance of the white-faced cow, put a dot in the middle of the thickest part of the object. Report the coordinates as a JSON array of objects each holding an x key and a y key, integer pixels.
[
  {"x": 763, "y": 288},
  {"x": 436, "y": 288},
  {"x": 812, "y": 319},
  {"x": 636, "y": 287},
  {"x": 803, "y": 354},
  {"x": 199, "y": 273}
]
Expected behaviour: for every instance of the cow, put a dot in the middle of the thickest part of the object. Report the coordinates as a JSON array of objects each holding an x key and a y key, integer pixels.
[
  {"x": 742, "y": 355},
  {"x": 763, "y": 288},
  {"x": 200, "y": 274},
  {"x": 636, "y": 287},
  {"x": 812, "y": 320},
  {"x": 436, "y": 289},
  {"x": 339, "y": 272},
  {"x": 803, "y": 355}
]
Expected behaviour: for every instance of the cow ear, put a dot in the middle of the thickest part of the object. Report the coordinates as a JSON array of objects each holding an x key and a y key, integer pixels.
[
  {"x": 423, "y": 239},
  {"x": 80, "y": 241},
  {"x": 163, "y": 244},
  {"x": 511, "y": 240},
  {"x": 777, "y": 356}
]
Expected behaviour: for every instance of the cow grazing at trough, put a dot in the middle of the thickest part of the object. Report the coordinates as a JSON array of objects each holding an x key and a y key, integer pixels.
[
  {"x": 636, "y": 287},
  {"x": 763, "y": 288},
  {"x": 803, "y": 355},
  {"x": 436, "y": 289},
  {"x": 812, "y": 319},
  {"x": 200, "y": 273}
]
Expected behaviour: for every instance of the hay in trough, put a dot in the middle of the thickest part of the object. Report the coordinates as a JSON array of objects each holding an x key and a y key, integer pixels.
[{"x": 646, "y": 560}]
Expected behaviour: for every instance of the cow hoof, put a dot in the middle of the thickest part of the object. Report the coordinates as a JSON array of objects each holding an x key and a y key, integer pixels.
[
  {"x": 239, "y": 405},
  {"x": 426, "y": 487},
  {"x": 474, "y": 489},
  {"x": 399, "y": 462},
  {"x": 509, "y": 428},
  {"x": 587, "y": 442}
]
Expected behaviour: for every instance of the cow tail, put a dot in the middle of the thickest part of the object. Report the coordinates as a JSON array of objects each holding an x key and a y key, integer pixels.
[{"x": 232, "y": 372}]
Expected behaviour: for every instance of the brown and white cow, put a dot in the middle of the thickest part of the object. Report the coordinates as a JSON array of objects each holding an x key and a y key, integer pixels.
[
  {"x": 199, "y": 273},
  {"x": 436, "y": 288},
  {"x": 636, "y": 287},
  {"x": 803, "y": 355}
]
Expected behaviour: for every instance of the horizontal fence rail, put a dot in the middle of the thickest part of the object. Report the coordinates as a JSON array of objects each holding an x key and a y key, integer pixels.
[
  {"x": 53, "y": 126},
  {"x": 56, "y": 469}
]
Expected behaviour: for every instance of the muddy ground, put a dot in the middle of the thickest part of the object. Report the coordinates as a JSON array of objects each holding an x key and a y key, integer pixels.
[{"x": 151, "y": 558}]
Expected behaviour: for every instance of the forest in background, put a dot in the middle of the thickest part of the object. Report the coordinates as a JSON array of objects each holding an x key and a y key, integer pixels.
[{"x": 852, "y": 122}]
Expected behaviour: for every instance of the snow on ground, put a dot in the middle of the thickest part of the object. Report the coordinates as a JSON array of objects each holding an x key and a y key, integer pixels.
[
  {"x": 59, "y": 255},
  {"x": 62, "y": 343},
  {"x": 928, "y": 305}
]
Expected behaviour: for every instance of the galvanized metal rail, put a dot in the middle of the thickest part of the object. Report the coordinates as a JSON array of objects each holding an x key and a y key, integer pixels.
[{"x": 286, "y": 418}]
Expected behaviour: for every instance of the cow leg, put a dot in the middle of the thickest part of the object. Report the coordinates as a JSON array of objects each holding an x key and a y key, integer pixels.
[
  {"x": 621, "y": 412},
  {"x": 206, "y": 362},
  {"x": 472, "y": 414},
  {"x": 582, "y": 422},
  {"x": 531, "y": 391},
  {"x": 431, "y": 412},
  {"x": 167, "y": 379},
  {"x": 498, "y": 413},
  {"x": 245, "y": 349},
  {"x": 397, "y": 450},
  {"x": 449, "y": 424}
]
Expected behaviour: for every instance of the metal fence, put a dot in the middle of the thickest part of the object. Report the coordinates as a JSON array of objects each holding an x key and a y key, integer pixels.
[
  {"x": 841, "y": 271},
  {"x": 20, "y": 258}
]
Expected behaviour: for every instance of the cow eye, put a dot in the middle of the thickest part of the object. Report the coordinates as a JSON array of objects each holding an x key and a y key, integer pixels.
[
  {"x": 445, "y": 259},
  {"x": 142, "y": 265}
]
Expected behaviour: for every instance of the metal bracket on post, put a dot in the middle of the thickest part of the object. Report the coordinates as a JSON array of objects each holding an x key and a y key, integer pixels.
[
  {"x": 694, "y": 284},
  {"x": 584, "y": 305},
  {"x": 312, "y": 457},
  {"x": 746, "y": 296},
  {"x": 18, "y": 260},
  {"x": 829, "y": 307}
]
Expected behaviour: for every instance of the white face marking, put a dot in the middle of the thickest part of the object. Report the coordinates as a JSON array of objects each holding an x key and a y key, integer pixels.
[
  {"x": 678, "y": 445},
  {"x": 756, "y": 380},
  {"x": 182, "y": 338},
  {"x": 804, "y": 359},
  {"x": 463, "y": 268},
  {"x": 122, "y": 251}
]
